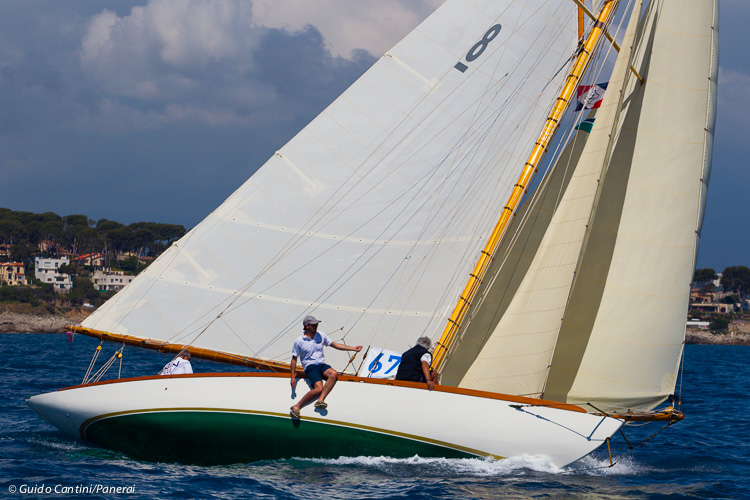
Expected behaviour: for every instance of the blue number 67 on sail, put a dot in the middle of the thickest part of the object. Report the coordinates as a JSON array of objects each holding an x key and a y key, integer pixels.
[{"x": 381, "y": 363}]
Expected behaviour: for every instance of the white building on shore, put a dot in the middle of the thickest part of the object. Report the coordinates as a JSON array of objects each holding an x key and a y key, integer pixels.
[
  {"x": 46, "y": 271},
  {"x": 107, "y": 280}
]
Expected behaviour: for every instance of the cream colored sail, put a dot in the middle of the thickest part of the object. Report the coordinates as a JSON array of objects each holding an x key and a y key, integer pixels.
[
  {"x": 372, "y": 216},
  {"x": 512, "y": 261},
  {"x": 516, "y": 357},
  {"x": 605, "y": 300},
  {"x": 660, "y": 171}
]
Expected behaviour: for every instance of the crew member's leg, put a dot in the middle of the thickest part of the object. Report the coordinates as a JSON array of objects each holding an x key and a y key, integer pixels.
[{"x": 331, "y": 376}]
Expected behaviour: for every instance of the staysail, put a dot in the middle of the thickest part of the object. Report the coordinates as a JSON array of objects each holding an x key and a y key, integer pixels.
[
  {"x": 512, "y": 261},
  {"x": 599, "y": 318},
  {"x": 373, "y": 215}
]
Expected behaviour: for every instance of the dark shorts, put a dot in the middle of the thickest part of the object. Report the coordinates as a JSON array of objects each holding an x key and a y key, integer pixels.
[{"x": 314, "y": 373}]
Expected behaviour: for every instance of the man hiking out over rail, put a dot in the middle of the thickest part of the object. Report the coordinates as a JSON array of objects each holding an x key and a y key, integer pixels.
[{"x": 309, "y": 349}]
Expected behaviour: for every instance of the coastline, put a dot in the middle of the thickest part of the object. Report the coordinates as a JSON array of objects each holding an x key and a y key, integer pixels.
[
  {"x": 20, "y": 322},
  {"x": 707, "y": 338},
  {"x": 23, "y": 322}
]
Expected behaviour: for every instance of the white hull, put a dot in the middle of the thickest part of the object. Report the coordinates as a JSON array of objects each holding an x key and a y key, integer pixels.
[{"x": 370, "y": 415}]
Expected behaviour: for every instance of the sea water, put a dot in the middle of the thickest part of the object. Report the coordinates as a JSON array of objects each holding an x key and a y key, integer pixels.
[{"x": 705, "y": 456}]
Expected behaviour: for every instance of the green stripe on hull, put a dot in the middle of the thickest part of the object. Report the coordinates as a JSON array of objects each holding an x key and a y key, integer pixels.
[{"x": 208, "y": 438}]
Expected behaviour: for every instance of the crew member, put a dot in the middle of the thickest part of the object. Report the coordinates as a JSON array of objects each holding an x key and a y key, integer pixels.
[
  {"x": 415, "y": 364},
  {"x": 179, "y": 365},
  {"x": 309, "y": 349}
]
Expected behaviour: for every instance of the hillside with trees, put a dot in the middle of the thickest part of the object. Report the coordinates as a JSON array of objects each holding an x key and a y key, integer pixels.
[
  {"x": 25, "y": 236},
  {"x": 24, "y": 232},
  {"x": 721, "y": 300}
]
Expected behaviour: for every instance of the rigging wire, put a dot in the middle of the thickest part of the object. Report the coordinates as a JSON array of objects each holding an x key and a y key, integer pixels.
[
  {"x": 493, "y": 118},
  {"x": 281, "y": 333},
  {"x": 96, "y": 377},
  {"x": 93, "y": 360},
  {"x": 513, "y": 238},
  {"x": 314, "y": 223}
]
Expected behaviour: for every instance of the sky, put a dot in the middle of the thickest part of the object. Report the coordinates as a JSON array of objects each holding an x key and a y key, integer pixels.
[{"x": 157, "y": 110}]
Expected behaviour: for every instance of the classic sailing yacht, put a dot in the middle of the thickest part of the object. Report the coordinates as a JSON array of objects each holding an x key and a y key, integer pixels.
[{"x": 376, "y": 215}]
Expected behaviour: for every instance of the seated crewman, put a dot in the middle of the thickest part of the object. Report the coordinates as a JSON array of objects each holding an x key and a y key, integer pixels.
[
  {"x": 179, "y": 365},
  {"x": 415, "y": 364}
]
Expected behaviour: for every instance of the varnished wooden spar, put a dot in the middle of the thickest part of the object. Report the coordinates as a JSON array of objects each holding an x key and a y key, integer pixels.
[
  {"x": 209, "y": 354},
  {"x": 529, "y": 169},
  {"x": 669, "y": 414},
  {"x": 281, "y": 369}
]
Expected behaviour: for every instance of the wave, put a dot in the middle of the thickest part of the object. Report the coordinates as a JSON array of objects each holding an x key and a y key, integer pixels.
[{"x": 487, "y": 467}]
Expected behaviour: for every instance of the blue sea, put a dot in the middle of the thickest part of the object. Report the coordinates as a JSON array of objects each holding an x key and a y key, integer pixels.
[{"x": 705, "y": 456}]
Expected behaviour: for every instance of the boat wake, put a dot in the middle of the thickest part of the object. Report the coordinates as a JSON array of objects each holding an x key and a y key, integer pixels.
[
  {"x": 596, "y": 466},
  {"x": 479, "y": 467},
  {"x": 446, "y": 466}
]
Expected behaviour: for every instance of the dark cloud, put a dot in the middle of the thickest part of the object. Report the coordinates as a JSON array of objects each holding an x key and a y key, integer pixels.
[
  {"x": 159, "y": 109},
  {"x": 148, "y": 123},
  {"x": 302, "y": 70}
]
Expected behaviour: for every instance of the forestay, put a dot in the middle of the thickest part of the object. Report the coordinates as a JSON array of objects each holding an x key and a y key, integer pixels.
[
  {"x": 600, "y": 316},
  {"x": 374, "y": 214}
]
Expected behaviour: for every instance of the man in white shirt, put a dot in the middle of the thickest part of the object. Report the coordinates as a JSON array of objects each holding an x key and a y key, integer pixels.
[
  {"x": 179, "y": 365},
  {"x": 309, "y": 349}
]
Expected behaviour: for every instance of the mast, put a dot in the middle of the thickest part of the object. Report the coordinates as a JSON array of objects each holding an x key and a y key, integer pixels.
[{"x": 530, "y": 168}]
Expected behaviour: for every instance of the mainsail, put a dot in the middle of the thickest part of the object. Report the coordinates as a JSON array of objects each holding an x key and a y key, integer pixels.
[
  {"x": 600, "y": 316},
  {"x": 373, "y": 215}
]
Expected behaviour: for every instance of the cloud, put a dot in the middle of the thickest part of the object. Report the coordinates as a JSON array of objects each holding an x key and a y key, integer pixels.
[
  {"x": 372, "y": 25},
  {"x": 209, "y": 61},
  {"x": 168, "y": 46},
  {"x": 152, "y": 112}
]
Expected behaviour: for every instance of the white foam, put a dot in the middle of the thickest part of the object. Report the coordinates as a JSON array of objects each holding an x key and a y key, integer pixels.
[
  {"x": 451, "y": 466},
  {"x": 624, "y": 466},
  {"x": 69, "y": 446}
]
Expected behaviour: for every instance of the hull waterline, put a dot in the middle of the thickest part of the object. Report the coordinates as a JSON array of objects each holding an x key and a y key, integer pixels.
[{"x": 233, "y": 418}]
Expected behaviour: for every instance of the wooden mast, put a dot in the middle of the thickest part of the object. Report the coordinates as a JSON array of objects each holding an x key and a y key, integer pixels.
[{"x": 530, "y": 168}]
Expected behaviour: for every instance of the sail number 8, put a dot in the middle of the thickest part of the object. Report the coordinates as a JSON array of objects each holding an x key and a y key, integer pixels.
[{"x": 479, "y": 47}]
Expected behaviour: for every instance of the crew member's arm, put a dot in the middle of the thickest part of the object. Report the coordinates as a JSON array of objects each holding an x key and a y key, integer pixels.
[
  {"x": 293, "y": 366},
  {"x": 426, "y": 372},
  {"x": 344, "y": 347}
]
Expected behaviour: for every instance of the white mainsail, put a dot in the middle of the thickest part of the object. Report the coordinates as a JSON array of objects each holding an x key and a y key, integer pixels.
[
  {"x": 372, "y": 216},
  {"x": 600, "y": 317}
]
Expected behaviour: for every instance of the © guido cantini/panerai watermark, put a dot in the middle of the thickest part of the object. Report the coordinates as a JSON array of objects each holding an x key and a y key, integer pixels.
[{"x": 62, "y": 489}]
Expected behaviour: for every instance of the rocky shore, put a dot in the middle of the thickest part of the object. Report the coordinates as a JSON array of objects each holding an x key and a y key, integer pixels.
[
  {"x": 31, "y": 322},
  {"x": 704, "y": 337}
]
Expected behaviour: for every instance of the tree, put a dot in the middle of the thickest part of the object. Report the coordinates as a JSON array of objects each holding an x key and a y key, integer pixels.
[
  {"x": 730, "y": 299},
  {"x": 719, "y": 322},
  {"x": 83, "y": 290},
  {"x": 11, "y": 231},
  {"x": 704, "y": 275},
  {"x": 736, "y": 278}
]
